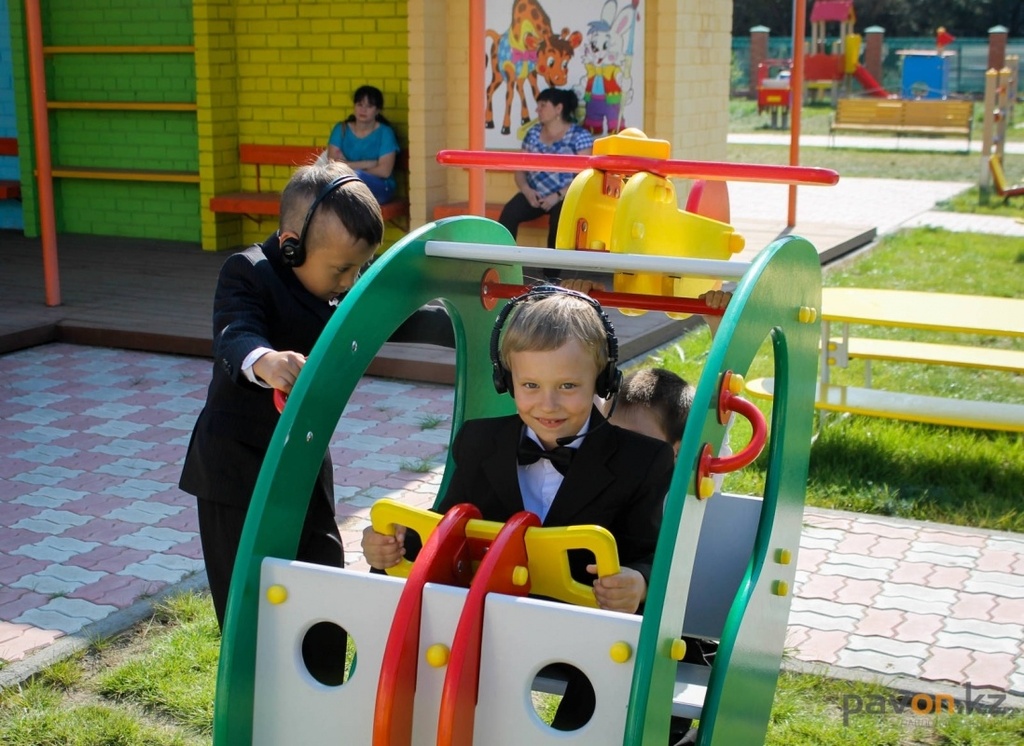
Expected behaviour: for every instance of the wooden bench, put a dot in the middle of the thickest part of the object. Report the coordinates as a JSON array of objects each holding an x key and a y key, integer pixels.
[
  {"x": 947, "y": 117},
  {"x": 265, "y": 201},
  {"x": 9, "y": 188},
  {"x": 492, "y": 210}
]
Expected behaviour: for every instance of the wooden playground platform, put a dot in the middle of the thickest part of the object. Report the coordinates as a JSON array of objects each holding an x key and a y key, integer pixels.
[{"x": 156, "y": 296}]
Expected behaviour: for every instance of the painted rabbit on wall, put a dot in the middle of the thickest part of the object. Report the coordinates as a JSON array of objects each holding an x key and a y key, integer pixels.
[{"x": 607, "y": 85}]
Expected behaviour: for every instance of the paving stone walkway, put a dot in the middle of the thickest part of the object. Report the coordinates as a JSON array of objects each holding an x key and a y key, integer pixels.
[{"x": 92, "y": 439}]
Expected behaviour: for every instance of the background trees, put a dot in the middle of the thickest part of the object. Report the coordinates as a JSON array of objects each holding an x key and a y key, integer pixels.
[{"x": 899, "y": 18}]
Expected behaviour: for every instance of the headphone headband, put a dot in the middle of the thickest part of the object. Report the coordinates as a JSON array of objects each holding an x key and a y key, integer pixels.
[
  {"x": 608, "y": 379},
  {"x": 293, "y": 250}
]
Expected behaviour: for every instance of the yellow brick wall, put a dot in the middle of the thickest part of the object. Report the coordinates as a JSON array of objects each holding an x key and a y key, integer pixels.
[{"x": 283, "y": 72}]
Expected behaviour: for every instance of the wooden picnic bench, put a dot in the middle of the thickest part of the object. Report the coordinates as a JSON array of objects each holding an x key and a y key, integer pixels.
[
  {"x": 927, "y": 117},
  {"x": 998, "y": 317},
  {"x": 265, "y": 200},
  {"x": 9, "y": 188}
]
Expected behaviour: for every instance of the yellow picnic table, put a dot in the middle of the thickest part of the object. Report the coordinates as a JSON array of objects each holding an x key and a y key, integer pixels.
[
  {"x": 944, "y": 312},
  {"x": 967, "y": 314}
]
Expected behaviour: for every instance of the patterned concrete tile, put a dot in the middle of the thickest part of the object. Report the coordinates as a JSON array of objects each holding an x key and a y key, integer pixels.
[
  {"x": 51, "y": 521},
  {"x": 992, "y": 669},
  {"x": 881, "y": 662},
  {"x": 919, "y": 628},
  {"x": 879, "y": 622},
  {"x": 822, "y": 646},
  {"x": 55, "y": 549},
  {"x": 977, "y": 642}
]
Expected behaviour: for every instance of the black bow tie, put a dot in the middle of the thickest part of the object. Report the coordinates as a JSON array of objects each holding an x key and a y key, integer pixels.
[{"x": 560, "y": 457}]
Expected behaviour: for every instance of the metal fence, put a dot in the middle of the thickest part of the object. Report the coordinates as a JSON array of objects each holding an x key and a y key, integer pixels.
[{"x": 966, "y": 73}]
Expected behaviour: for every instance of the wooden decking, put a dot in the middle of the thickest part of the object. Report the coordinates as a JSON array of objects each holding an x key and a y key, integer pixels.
[{"x": 157, "y": 296}]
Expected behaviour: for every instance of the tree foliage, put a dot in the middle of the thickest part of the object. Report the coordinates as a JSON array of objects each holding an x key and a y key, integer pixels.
[{"x": 964, "y": 18}]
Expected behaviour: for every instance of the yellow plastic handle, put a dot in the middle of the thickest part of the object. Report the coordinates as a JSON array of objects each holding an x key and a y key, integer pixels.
[
  {"x": 385, "y": 514},
  {"x": 548, "y": 549}
]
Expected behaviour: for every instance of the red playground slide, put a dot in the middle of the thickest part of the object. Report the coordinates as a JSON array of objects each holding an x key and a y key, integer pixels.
[{"x": 871, "y": 86}]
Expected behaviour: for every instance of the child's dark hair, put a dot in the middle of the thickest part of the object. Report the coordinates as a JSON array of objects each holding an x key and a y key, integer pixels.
[
  {"x": 667, "y": 395},
  {"x": 353, "y": 203},
  {"x": 563, "y": 96},
  {"x": 375, "y": 97}
]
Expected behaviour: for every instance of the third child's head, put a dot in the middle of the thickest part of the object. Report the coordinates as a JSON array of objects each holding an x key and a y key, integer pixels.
[
  {"x": 339, "y": 236},
  {"x": 554, "y": 347},
  {"x": 654, "y": 402}
]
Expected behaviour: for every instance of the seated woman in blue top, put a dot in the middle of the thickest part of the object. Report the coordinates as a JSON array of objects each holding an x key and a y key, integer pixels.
[
  {"x": 366, "y": 142},
  {"x": 542, "y": 192}
]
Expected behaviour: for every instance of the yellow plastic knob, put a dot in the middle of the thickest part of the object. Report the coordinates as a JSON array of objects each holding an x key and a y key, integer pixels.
[
  {"x": 437, "y": 655},
  {"x": 277, "y": 594},
  {"x": 736, "y": 243},
  {"x": 707, "y": 488},
  {"x": 780, "y": 588},
  {"x": 736, "y": 384},
  {"x": 783, "y": 556},
  {"x": 807, "y": 315},
  {"x": 520, "y": 576},
  {"x": 678, "y": 651},
  {"x": 620, "y": 651}
]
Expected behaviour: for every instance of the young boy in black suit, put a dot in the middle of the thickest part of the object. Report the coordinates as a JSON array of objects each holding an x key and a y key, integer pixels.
[
  {"x": 272, "y": 302},
  {"x": 558, "y": 457}
]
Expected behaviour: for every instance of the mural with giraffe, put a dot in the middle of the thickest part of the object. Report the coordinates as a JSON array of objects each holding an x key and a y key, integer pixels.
[
  {"x": 544, "y": 47},
  {"x": 529, "y": 46}
]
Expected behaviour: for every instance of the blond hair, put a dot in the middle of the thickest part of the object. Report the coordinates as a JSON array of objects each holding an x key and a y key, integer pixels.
[{"x": 550, "y": 321}]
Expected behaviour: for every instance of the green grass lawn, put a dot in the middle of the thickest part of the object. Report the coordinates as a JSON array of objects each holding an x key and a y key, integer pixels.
[{"x": 868, "y": 464}]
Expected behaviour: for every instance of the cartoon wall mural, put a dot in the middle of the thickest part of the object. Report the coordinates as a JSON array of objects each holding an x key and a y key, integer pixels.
[{"x": 594, "y": 47}]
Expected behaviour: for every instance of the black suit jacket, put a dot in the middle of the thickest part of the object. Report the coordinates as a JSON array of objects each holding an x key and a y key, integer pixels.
[
  {"x": 259, "y": 302},
  {"x": 618, "y": 480}
]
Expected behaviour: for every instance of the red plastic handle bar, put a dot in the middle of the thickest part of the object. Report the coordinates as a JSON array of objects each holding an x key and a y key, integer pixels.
[
  {"x": 730, "y": 402},
  {"x": 631, "y": 164},
  {"x": 490, "y": 292},
  {"x": 280, "y": 399}
]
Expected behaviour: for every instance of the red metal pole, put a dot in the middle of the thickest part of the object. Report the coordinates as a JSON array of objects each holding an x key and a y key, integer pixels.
[
  {"x": 44, "y": 166},
  {"x": 477, "y": 28},
  {"x": 611, "y": 299},
  {"x": 796, "y": 97}
]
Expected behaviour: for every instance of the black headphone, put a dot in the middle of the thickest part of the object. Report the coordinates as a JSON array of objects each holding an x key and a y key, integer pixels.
[
  {"x": 293, "y": 250},
  {"x": 608, "y": 379}
]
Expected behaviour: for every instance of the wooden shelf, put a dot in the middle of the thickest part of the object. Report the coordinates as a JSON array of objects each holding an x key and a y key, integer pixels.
[
  {"x": 123, "y": 105},
  {"x": 138, "y": 49},
  {"x": 124, "y": 174}
]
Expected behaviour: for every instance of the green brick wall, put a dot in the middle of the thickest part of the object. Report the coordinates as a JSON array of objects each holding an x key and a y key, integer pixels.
[{"x": 149, "y": 140}]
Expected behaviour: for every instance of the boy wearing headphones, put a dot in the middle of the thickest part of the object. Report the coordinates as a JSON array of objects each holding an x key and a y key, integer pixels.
[
  {"x": 271, "y": 303},
  {"x": 558, "y": 457}
]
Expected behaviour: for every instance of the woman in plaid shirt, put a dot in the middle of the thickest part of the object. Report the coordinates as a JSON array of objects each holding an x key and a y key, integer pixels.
[{"x": 542, "y": 192}]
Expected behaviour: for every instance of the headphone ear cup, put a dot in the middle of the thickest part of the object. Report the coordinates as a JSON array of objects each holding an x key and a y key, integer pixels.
[
  {"x": 498, "y": 376},
  {"x": 608, "y": 381},
  {"x": 291, "y": 251}
]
